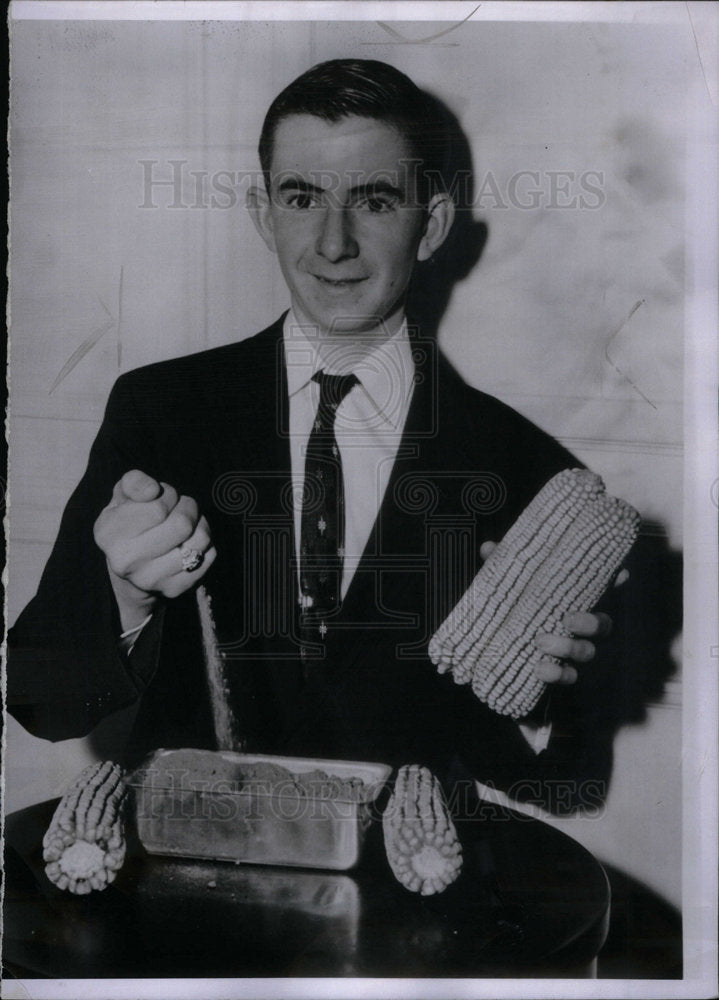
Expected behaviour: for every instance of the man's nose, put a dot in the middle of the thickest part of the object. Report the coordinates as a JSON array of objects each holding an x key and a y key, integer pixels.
[{"x": 336, "y": 239}]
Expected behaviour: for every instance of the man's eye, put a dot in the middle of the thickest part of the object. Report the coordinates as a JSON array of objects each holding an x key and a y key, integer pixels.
[
  {"x": 301, "y": 200},
  {"x": 378, "y": 203}
]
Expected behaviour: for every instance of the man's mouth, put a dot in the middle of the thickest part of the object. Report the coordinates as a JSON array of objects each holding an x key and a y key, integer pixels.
[{"x": 338, "y": 282}]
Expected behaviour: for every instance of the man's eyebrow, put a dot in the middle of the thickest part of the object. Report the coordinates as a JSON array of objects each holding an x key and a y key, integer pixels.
[
  {"x": 375, "y": 188},
  {"x": 299, "y": 184}
]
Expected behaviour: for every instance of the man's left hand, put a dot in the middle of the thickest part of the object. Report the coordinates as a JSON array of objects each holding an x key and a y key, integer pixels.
[{"x": 586, "y": 628}]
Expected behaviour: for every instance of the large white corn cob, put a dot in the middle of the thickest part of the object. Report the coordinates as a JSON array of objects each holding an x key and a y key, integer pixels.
[
  {"x": 559, "y": 556},
  {"x": 84, "y": 846},
  {"x": 420, "y": 839}
]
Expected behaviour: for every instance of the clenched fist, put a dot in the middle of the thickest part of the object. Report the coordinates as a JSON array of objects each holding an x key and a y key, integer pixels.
[{"x": 144, "y": 531}]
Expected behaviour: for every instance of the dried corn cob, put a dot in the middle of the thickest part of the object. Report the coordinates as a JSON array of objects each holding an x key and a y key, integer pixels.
[
  {"x": 559, "y": 556},
  {"x": 420, "y": 839},
  {"x": 84, "y": 846}
]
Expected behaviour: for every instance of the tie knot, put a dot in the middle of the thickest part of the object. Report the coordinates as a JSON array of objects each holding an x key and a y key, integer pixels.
[{"x": 333, "y": 388}]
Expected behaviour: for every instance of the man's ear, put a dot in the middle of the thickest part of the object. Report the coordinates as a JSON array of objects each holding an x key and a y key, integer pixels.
[
  {"x": 258, "y": 205},
  {"x": 440, "y": 216}
]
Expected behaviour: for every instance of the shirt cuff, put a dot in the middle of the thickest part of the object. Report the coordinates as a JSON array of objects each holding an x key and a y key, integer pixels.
[
  {"x": 537, "y": 736},
  {"x": 130, "y": 637}
]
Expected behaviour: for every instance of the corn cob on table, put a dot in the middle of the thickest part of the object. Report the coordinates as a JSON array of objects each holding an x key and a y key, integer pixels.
[
  {"x": 84, "y": 846},
  {"x": 421, "y": 841}
]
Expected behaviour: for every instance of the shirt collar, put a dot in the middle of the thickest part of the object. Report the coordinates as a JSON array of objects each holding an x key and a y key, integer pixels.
[{"x": 386, "y": 374}]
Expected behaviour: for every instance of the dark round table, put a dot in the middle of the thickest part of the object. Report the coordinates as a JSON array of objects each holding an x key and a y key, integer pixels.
[{"x": 530, "y": 902}]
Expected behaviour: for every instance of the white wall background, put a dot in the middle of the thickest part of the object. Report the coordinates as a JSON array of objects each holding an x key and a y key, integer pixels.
[{"x": 544, "y": 321}]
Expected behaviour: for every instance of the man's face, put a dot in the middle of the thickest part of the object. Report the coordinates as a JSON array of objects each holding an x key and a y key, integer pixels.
[{"x": 344, "y": 221}]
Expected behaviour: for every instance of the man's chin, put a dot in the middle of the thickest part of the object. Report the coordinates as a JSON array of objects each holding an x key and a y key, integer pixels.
[
  {"x": 346, "y": 325},
  {"x": 347, "y": 322}
]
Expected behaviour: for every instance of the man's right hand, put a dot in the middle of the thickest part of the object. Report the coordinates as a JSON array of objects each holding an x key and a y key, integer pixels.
[{"x": 143, "y": 532}]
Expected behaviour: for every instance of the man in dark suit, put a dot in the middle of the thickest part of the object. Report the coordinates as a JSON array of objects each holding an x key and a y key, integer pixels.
[{"x": 202, "y": 473}]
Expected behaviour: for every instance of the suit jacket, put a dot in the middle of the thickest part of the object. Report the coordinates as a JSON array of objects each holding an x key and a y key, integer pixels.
[{"x": 214, "y": 425}]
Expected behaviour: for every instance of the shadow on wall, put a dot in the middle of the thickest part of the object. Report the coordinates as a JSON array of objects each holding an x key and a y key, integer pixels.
[
  {"x": 633, "y": 664},
  {"x": 434, "y": 279}
]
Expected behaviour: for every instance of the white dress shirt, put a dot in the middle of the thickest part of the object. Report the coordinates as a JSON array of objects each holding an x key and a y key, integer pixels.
[{"x": 368, "y": 424}]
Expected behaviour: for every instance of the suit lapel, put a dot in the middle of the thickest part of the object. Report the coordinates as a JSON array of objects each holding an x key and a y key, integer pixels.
[
  {"x": 249, "y": 469},
  {"x": 250, "y": 405},
  {"x": 424, "y": 501}
]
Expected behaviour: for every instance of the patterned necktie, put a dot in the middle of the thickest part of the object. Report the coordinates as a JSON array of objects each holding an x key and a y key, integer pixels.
[{"x": 322, "y": 531}]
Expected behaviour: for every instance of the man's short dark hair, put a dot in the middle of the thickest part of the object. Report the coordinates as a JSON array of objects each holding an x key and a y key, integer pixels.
[{"x": 366, "y": 88}]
